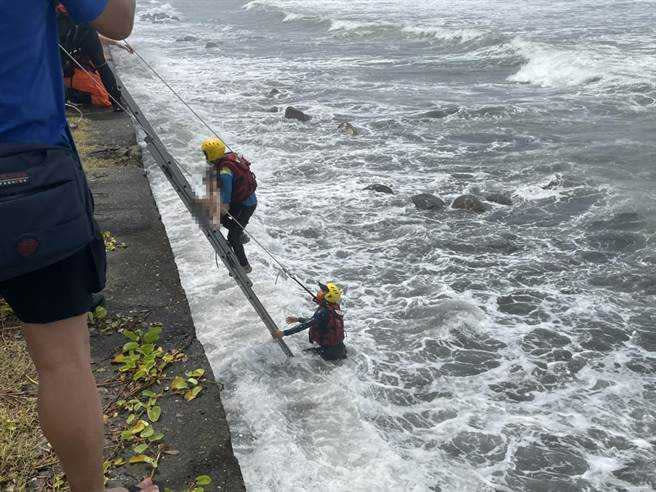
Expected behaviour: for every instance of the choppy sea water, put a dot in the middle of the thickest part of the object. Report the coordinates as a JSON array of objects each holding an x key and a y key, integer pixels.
[{"x": 509, "y": 350}]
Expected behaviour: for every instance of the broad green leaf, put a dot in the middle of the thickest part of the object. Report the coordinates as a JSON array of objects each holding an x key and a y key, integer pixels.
[
  {"x": 127, "y": 435},
  {"x": 129, "y": 334},
  {"x": 158, "y": 436},
  {"x": 100, "y": 313},
  {"x": 154, "y": 413},
  {"x": 148, "y": 432},
  {"x": 193, "y": 393},
  {"x": 131, "y": 418},
  {"x": 130, "y": 346},
  {"x": 141, "y": 458},
  {"x": 178, "y": 383},
  {"x": 151, "y": 402},
  {"x": 152, "y": 335},
  {"x": 140, "y": 374},
  {"x": 119, "y": 461},
  {"x": 147, "y": 348},
  {"x": 148, "y": 394},
  {"x": 118, "y": 359},
  {"x": 138, "y": 427},
  {"x": 193, "y": 381},
  {"x": 197, "y": 373},
  {"x": 203, "y": 480},
  {"x": 140, "y": 448},
  {"x": 198, "y": 489}
]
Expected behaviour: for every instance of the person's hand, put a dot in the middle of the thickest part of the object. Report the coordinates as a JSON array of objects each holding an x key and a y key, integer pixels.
[
  {"x": 277, "y": 334},
  {"x": 291, "y": 319}
]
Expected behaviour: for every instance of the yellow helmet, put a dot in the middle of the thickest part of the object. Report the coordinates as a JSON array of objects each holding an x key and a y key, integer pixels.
[
  {"x": 213, "y": 148},
  {"x": 331, "y": 293}
]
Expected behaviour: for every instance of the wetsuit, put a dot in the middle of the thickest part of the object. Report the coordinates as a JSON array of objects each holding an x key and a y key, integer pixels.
[{"x": 320, "y": 323}]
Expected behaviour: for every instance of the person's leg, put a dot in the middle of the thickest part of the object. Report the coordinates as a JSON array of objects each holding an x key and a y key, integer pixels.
[
  {"x": 92, "y": 48},
  {"x": 69, "y": 406},
  {"x": 234, "y": 227}
]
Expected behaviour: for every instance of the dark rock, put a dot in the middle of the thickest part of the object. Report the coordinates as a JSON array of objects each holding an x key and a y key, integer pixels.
[
  {"x": 470, "y": 203},
  {"x": 272, "y": 109},
  {"x": 212, "y": 44},
  {"x": 292, "y": 113},
  {"x": 380, "y": 188},
  {"x": 348, "y": 129},
  {"x": 426, "y": 201},
  {"x": 638, "y": 472},
  {"x": 187, "y": 39},
  {"x": 499, "y": 198},
  {"x": 273, "y": 92}
]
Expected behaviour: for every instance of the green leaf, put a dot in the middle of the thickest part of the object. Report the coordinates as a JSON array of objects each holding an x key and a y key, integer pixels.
[
  {"x": 152, "y": 335},
  {"x": 100, "y": 313},
  {"x": 119, "y": 461},
  {"x": 140, "y": 448},
  {"x": 130, "y": 346},
  {"x": 148, "y": 394},
  {"x": 196, "y": 373},
  {"x": 141, "y": 458},
  {"x": 193, "y": 381},
  {"x": 148, "y": 432},
  {"x": 130, "y": 335},
  {"x": 154, "y": 413},
  {"x": 147, "y": 348},
  {"x": 127, "y": 435},
  {"x": 178, "y": 383},
  {"x": 131, "y": 418},
  {"x": 158, "y": 436},
  {"x": 203, "y": 480},
  {"x": 138, "y": 427},
  {"x": 198, "y": 489},
  {"x": 140, "y": 374},
  {"x": 193, "y": 393}
]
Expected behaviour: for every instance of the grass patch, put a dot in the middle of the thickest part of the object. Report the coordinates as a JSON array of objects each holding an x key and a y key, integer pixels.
[{"x": 24, "y": 451}]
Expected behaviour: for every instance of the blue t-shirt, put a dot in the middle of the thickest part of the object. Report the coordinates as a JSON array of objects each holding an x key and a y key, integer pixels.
[{"x": 32, "y": 105}]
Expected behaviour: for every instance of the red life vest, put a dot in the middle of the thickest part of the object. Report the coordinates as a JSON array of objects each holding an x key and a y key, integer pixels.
[
  {"x": 244, "y": 183},
  {"x": 332, "y": 331}
]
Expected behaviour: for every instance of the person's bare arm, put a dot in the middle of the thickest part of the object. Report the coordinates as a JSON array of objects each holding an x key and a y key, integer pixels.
[{"x": 116, "y": 20}]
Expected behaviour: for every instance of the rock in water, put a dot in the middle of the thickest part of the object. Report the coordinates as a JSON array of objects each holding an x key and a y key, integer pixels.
[
  {"x": 212, "y": 44},
  {"x": 469, "y": 203},
  {"x": 187, "y": 38},
  {"x": 499, "y": 198},
  {"x": 272, "y": 109},
  {"x": 426, "y": 201},
  {"x": 273, "y": 93},
  {"x": 292, "y": 113},
  {"x": 348, "y": 129},
  {"x": 380, "y": 188}
]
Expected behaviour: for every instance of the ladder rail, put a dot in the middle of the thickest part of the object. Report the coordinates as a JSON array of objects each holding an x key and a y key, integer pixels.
[{"x": 171, "y": 170}]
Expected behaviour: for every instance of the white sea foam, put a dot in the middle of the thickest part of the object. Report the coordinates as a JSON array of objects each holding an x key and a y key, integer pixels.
[{"x": 421, "y": 285}]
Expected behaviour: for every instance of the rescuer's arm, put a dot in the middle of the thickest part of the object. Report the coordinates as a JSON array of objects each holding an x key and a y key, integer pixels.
[{"x": 116, "y": 20}]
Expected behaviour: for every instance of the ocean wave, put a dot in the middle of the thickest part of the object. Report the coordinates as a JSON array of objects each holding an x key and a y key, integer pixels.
[{"x": 550, "y": 66}]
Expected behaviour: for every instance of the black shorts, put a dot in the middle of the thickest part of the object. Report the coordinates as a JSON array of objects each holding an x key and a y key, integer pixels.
[{"x": 59, "y": 291}]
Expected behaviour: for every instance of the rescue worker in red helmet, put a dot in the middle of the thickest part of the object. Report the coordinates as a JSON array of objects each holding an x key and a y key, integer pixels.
[
  {"x": 326, "y": 326},
  {"x": 232, "y": 175}
]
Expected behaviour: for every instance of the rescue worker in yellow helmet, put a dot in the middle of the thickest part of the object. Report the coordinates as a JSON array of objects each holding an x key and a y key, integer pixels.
[
  {"x": 231, "y": 190},
  {"x": 326, "y": 325}
]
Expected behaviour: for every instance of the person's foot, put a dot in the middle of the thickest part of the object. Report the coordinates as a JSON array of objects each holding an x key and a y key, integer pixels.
[
  {"x": 244, "y": 238},
  {"x": 97, "y": 299}
]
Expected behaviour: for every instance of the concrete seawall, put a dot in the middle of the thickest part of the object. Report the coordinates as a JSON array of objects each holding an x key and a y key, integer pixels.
[{"x": 143, "y": 280}]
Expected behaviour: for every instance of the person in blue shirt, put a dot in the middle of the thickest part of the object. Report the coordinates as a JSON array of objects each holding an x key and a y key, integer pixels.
[
  {"x": 237, "y": 187},
  {"x": 51, "y": 258}
]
